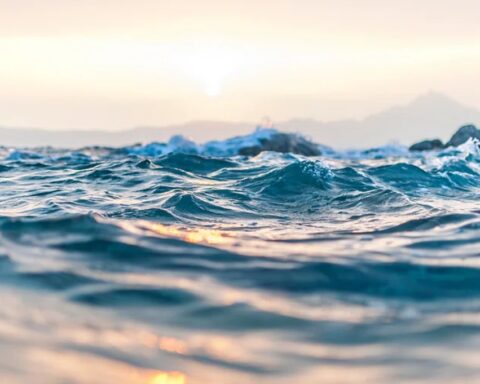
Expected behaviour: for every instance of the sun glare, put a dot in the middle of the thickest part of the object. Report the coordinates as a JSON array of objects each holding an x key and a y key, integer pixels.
[
  {"x": 170, "y": 68},
  {"x": 212, "y": 89},
  {"x": 211, "y": 66}
]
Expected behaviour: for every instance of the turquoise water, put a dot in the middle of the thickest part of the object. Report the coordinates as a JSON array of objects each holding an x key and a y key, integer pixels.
[{"x": 173, "y": 264}]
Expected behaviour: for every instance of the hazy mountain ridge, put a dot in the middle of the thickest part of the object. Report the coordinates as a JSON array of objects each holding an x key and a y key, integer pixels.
[
  {"x": 428, "y": 116},
  {"x": 431, "y": 115}
]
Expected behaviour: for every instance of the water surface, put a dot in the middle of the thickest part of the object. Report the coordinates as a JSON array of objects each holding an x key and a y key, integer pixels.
[{"x": 167, "y": 265}]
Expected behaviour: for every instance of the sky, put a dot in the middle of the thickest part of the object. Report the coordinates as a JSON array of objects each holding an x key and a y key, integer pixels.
[{"x": 116, "y": 64}]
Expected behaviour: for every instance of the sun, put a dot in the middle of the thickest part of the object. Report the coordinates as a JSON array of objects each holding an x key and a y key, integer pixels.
[
  {"x": 213, "y": 89},
  {"x": 211, "y": 66}
]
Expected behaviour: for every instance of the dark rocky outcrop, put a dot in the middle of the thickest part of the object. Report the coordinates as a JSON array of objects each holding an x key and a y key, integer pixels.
[
  {"x": 284, "y": 143},
  {"x": 462, "y": 135},
  {"x": 427, "y": 145}
]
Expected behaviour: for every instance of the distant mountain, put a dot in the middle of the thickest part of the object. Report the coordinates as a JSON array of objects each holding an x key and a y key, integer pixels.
[
  {"x": 432, "y": 115},
  {"x": 429, "y": 116},
  {"x": 197, "y": 130}
]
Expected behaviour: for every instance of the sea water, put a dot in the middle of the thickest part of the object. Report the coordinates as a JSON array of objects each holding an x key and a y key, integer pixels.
[{"x": 183, "y": 263}]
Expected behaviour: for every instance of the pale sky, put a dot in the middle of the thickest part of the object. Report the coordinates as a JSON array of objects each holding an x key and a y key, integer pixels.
[{"x": 115, "y": 64}]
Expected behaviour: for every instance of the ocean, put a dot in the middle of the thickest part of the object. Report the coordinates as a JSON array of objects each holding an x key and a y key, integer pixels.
[{"x": 183, "y": 263}]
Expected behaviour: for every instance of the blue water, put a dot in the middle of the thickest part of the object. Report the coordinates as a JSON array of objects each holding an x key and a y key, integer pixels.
[{"x": 173, "y": 264}]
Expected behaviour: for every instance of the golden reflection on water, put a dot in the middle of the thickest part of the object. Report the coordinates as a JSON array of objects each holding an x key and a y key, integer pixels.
[
  {"x": 167, "y": 378},
  {"x": 205, "y": 236},
  {"x": 191, "y": 235}
]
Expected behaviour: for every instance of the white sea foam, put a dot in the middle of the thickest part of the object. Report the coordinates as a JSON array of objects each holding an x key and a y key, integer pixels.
[{"x": 228, "y": 147}]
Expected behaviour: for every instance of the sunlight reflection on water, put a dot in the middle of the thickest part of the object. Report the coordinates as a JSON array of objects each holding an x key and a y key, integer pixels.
[
  {"x": 168, "y": 378},
  {"x": 276, "y": 269}
]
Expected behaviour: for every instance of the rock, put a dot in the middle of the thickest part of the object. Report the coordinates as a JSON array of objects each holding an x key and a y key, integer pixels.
[
  {"x": 284, "y": 143},
  {"x": 463, "y": 134},
  {"x": 427, "y": 145}
]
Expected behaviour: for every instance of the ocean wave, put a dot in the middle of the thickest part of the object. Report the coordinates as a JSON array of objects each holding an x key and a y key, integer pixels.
[{"x": 160, "y": 256}]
